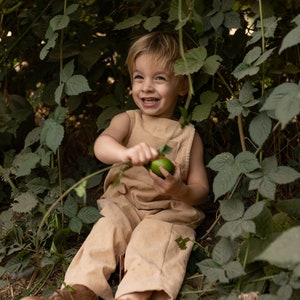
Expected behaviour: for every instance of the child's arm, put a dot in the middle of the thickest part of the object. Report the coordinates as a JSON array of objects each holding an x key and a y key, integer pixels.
[
  {"x": 195, "y": 191},
  {"x": 109, "y": 147}
]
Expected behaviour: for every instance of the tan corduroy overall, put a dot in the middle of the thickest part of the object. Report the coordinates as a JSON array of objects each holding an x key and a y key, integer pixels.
[{"x": 139, "y": 222}]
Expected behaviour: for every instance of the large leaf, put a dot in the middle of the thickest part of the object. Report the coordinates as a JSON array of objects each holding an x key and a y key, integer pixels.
[
  {"x": 225, "y": 180},
  {"x": 152, "y": 22},
  {"x": 260, "y": 128},
  {"x": 284, "y": 101},
  {"x": 212, "y": 271},
  {"x": 32, "y": 137},
  {"x": 246, "y": 162},
  {"x": 284, "y": 175},
  {"x": 89, "y": 214},
  {"x": 76, "y": 84},
  {"x": 59, "y": 22},
  {"x": 52, "y": 134},
  {"x": 60, "y": 114},
  {"x": 193, "y": 62},
  {"x": 130, "y": 22},
  {"x": 211, "y": 64},
  {"x": 70, "y": 207},
  {"x": 24, "y": 162},
  {"x": 67, "y": 72},
  {"x": 220, "y": 161},
  {"x": 38, "y": 185},
  {"x": 223, "y": 252},
  {"x": 243, "y": 70},
  {"x": 234, "y": 269},
  {"x": 201, "y": 112},
  {"x": 291, "y": 207},
  {"x": 284, "y": 251},
  {"x": 293, "y": 37},
  {"x": 231, "y": 209},
  {"x": 24, "y": 203}
]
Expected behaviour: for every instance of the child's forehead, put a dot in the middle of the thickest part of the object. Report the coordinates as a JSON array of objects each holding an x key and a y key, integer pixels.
[{"x": 157, "y": 60}]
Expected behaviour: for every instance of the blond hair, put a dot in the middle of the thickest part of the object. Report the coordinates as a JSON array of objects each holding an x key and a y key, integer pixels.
[{"x": 163, "y": 46}]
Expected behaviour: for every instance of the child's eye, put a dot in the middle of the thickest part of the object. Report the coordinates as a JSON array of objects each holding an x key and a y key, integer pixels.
[
  {"x": 137, "y": 77},
  {"x": 160, "y": 78}
]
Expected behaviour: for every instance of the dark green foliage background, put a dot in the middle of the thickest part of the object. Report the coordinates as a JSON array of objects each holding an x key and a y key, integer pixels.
[{"x": 55, "y": 100}]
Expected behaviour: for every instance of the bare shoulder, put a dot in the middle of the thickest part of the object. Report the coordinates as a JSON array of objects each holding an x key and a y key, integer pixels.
[{"x": 119, "y": 126}]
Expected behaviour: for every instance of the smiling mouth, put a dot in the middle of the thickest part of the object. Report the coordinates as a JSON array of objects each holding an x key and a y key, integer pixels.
[{"x": 150, "y": 100}]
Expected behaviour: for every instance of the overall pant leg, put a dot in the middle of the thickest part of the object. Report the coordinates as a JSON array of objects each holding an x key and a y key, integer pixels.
[
  {"x": 154, "y": 261},
  {"x": 98, "y": 256}
]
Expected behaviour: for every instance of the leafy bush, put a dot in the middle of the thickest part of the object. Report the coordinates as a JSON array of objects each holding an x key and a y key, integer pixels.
[{"x": 68, "y": 78}]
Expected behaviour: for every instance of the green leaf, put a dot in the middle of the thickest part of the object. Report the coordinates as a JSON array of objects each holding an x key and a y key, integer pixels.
[
  {"x": 248, "y": 226},
  {"x": 165, "y": 149},
  {"x": 71, "y": 9},
  {"x": 291, "y": 207},
  {"x": 152, "y": 22},
  {"x": 24, "y": 162},
  {"x": 223, "y": 251},
  {"x": 52, "y": 134},
  {"x": 231, "y": 229},
  {"x": 89, "y": 214},
  {"x": 174, "y": 9},
  {"x": 225, "y": 180},
  {"x": 60, "y": 114},
  {"x": 232, "y": 19},
  {"x": 51, "y": 37},
  {"x": 252, "y": 55},
  {"x": 292, "y": 38},
  {"x": 265, "y": 187},
  {"x": 234, "y": 107},
  {"x": 264, "y": 57},
  {"x": 24, "y": 203},
  {"x": 38, "y": 185},
  {"x": 75, "y": 224},
  {"x": 70, "y": 207},
  {"x": 246, "y": 162},
  {"x": 231, "y": 209},
  {"x": 194, "y": 60},
  {"x": 59, "y": 22},
  {"x": 217, "y": 20},
  {"x": 58, "y": 93},
  {"x": 201, "y": 112},
  {"x": 212, "y": 271},
  {"x": 81, "y": 189},
  {"x": 263, "y": 223},
  {"x": 260, "y": 128},
  {"x": 76, "y": 84},
  {"x": 284, "y": 175},
  {"x": 284, "y": 251},
  {"x": 32, "y": 137},
  {"x": 130, "y": 22},
  {"x": 243, "y": 70},
  {"x": 285, "y": 101},
  {"x": 246, "y": 93},
  {"x": 254, "y": 210},
  {"x": 6, "y": 220},
  {"x": 220, "y": 161},
  {"x": 67, "y": 72},
  {"x": 234, "y": 269},
  {"x": 211, "y": 64}
]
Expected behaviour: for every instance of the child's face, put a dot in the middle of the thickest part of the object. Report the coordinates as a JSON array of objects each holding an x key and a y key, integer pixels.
[{"x": 155, "y": 90}]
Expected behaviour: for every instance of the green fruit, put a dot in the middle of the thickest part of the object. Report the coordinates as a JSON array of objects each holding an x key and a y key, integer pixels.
[{"x": 161, "y": 162}]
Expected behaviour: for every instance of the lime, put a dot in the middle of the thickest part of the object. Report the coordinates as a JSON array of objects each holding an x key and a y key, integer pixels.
[{"x": 161, "y": 162}]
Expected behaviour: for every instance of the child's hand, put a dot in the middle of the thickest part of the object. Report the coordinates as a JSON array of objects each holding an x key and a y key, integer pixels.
[
  {"x": 171, "y": 185},
  {"x": 140, "y": 154}
]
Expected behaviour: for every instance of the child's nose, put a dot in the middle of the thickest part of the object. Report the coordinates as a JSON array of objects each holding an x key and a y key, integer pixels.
[{"x": 147, "y": 86}]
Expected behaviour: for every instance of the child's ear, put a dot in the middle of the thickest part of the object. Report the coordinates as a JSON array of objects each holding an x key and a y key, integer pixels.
[{"x": 183, "y": 86}]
